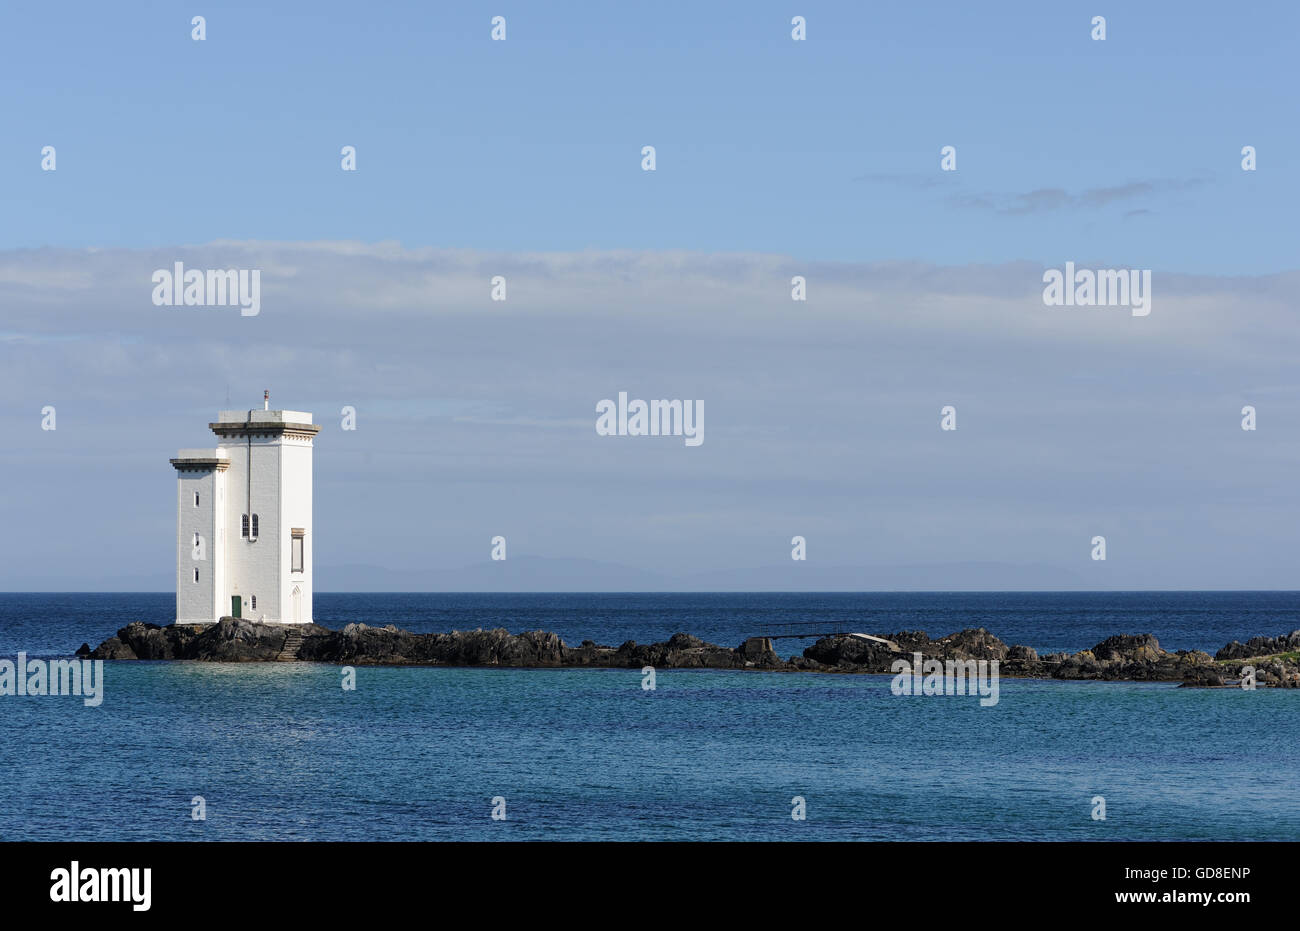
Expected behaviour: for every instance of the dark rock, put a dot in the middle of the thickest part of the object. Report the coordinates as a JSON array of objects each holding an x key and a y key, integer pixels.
[
  {"x": 1022, "y": 654},
  {"x": 843, "y": 650},
  {"x": 972, "y": 643},
  {"x": 1130, "y": 657},
  {"x": 1082, "y": 665},
  {"x": 1024, "y": 661},
  {"x": 684, "y": 642},
  {"x": 234, "y": 640},
  {"x": 1261, "y": 646},
  {"x": 113, "y": 648},
  {"x": 1203, "y": 677},
  {"x": 853, "y": 654},
  {"x": 1128, "y": 648}
]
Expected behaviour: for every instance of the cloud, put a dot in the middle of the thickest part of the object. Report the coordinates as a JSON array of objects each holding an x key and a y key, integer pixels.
[
  {"x": 821, "y": 416},
  {"x": 1043, "y": 200}
]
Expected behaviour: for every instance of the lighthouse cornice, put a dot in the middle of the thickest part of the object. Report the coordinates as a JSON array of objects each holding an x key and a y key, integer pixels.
[
  {"x": 226, "y": 429},
  {"x": 200, "y": 464}
]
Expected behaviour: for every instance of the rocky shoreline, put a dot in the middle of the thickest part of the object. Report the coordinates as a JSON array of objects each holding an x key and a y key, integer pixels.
[{"x": 1131, "y": 657}]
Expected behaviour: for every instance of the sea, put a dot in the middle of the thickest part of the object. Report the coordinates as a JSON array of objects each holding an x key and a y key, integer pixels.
[{"x": 222, "y": 752}]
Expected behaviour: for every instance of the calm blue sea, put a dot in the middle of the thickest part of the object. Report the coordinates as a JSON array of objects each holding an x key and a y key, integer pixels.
[{"x": 282, "y": 752}]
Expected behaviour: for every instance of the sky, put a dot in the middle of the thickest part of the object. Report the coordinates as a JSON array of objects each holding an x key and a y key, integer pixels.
[
  {"x": 822, "y": 149},
  {"x": 774, "y": 158}
]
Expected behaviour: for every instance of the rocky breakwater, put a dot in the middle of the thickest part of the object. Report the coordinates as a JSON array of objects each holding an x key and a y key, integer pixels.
[
  {"x": 232, "y": 640},
  {"x": 237, "y": 640},
  {"x": 1135, "y": 657},
  {"x": 1128, "y": 657}
]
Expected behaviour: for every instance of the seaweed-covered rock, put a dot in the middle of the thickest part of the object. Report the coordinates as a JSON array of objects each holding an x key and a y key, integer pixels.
[{"x": 1261, "y": 646}]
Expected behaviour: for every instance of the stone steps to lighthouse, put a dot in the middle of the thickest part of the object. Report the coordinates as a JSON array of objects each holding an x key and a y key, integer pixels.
[{"x": 292, "y": 643}]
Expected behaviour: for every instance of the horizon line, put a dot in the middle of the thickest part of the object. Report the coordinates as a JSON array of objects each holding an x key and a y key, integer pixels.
[{"x": 827, "y": 591}]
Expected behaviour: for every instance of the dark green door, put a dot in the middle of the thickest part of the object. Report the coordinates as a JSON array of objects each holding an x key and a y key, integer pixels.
[{"x": 235, "y": 606}]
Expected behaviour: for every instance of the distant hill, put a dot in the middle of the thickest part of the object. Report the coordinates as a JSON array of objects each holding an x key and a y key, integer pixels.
[
  {"x": 544, "y": 574},
  {"x": 541, "y": 574},
  {"x": 516, "y": 574}
]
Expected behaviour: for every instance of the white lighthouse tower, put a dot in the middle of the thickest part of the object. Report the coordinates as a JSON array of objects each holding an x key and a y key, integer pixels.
[{"x": 243, "y": 520}]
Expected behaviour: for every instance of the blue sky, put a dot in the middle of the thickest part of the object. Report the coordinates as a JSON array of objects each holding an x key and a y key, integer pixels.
[
  {"x": 826, "y": 149},
  {"x": 775, "y": 158}
]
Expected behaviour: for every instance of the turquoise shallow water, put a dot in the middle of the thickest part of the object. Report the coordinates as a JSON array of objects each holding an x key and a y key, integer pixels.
[{"x": 281, "y": 752}]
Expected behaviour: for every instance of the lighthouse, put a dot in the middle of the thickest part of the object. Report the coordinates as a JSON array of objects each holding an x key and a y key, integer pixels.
[{"x": 243, "y": 520}]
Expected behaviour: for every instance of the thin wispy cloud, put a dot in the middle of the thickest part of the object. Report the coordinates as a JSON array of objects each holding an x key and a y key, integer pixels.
[{"x": 1045, "y": 200}]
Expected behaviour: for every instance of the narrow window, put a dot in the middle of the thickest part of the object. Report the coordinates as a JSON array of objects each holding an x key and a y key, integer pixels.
[
  {"x": 295, "y": 552},
  {"x": 252, "y": 602},
  {"x": 196, "y": 575},
  {"x": 254, "y": 536},
  {"x": 196, "y": 499},
  {"x": 243, "y": 532}
]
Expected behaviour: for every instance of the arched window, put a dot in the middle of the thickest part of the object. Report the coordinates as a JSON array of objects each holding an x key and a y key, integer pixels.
[
  {"x": 252, "y": 602},
  {"x": 254, "y": 527},
  {"x": 243, "y": 532}
]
